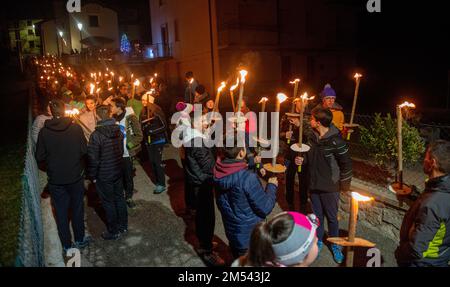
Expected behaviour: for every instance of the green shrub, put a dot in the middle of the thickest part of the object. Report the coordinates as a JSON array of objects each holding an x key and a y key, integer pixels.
[{"x": 380, "y": 140}]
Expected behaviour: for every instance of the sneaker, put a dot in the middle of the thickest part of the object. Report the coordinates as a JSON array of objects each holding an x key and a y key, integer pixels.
[
  {"x": 131, "y": 204},
  {"x": 212, "y": 259},
  {"x": 337, "y": 253},
  {"x": 109, "y": 236},
  {"x": 320, "y": 245},
  {"x": 123, "y": 232},
  {"x": 84, "y": 243},
  {"x": 159, "y": 189}
]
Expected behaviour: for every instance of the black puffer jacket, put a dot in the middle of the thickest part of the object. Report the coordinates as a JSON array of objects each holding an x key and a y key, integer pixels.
[
  {"x": 329, "y": 161},
  {"x": 61, "y": 146},
  {"x": 200, "y": 160},
  {"x": 105, "y": 152},
  {"x": 425, "y": 232}
]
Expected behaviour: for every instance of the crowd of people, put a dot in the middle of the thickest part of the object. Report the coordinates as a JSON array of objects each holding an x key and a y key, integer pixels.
[{"x": 101, "y": 142}]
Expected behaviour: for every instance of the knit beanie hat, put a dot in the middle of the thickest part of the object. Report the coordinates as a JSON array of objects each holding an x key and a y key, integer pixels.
[
  {"x": 297, "y": 246},
  {"x": 184, "y": 107},
  {"x": 328, "y": 92}
]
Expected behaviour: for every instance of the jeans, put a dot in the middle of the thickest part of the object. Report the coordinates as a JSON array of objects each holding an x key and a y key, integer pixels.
[
  {"x": 65, "y": 198},
  {"x": 326, "y": 204},
  {"x": 155, "y": 158},
  {"x": 205, "y": 216},
  {"x": 128, "y": 174},
  {"x": 291, "y": 172},
  {"x": 113, "y": 202}
]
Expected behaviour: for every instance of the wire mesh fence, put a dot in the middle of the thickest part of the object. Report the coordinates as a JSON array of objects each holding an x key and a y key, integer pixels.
[
  {"x": 31, "y": 237},
  {"x": 379, "y": 176}
]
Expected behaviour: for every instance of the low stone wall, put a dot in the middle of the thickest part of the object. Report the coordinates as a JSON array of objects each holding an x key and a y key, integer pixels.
[{"x": 384, "y": 214}]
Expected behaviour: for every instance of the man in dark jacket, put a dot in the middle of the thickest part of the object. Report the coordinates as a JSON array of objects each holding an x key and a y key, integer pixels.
[
  {"x": 330, "y": 171},
  {"x": 425, "y": 232},
  {"x": 154, "y": 129},
  {"x": 105, "y": 152},
  {"x": 61, "y": 146},
  {"x": 199, "y": 169},
  {"x": 241, "y": 198},
  {"x": 291, "y": 136}
]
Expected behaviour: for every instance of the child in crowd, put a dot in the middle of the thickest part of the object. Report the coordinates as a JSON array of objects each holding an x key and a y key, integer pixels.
[{"x": 289, "y": 239}]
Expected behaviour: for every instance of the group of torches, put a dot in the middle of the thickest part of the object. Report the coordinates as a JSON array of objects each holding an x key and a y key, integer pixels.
[
  {"x": 50, "y": 69},
  {"x": 351, "y": 241}
]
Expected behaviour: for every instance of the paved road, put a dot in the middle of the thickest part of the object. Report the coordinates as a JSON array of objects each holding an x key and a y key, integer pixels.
[{"x": 160, "y": 234}]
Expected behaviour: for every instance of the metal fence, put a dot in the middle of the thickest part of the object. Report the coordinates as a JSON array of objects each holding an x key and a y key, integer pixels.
[
  {"x": 31, "y": 237},
  {"x": 373, "y": 176}
]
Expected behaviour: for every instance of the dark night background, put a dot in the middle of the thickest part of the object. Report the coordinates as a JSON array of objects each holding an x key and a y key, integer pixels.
[{"x": 402, "y": 51}]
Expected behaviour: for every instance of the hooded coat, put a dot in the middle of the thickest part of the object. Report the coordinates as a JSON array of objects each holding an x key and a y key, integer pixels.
[
  {"x": 105, "y": 152},
  {"x": 425, "y": 232},
  {"x": 242, "y": 200},
  {"x": 61, "y": 146}
]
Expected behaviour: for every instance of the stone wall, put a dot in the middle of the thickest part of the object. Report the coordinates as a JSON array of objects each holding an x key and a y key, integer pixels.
[{"x": 384, "y": 214}]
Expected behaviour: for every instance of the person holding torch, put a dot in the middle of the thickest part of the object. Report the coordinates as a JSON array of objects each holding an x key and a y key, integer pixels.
[
  {"x": 289, "y": 155},
  {"x": 330, "y": 172}
]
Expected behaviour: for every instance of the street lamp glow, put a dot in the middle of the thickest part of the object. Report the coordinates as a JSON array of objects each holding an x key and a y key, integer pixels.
[
  {"x": 61, "y": 33},
  {"x": 80, "y": 26}
]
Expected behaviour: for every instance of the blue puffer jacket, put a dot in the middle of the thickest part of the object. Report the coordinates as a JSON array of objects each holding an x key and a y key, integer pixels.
[{"x": 242, "y": 200}]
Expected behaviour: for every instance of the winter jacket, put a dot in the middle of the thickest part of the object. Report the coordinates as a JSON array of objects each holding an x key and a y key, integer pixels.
[
  {"x": 131, "y": 129},
  {"x": 61, "y": 146},
  {"x": 38, "y": 124},
  {"x": 425, "y": 232},
  {"x": 308, "y": 133},
  {"x": 241, "y": 199},
  {"x": 89, "y": 119},
  {"x": 329, "y": 161},
  {"x": 338, "y": 116},
  {"x": 154, "y": 126},
  {"x": 199, "y": 160},
  {"x": 105, "y": 151},
  {"x": 136, "y": 106}
]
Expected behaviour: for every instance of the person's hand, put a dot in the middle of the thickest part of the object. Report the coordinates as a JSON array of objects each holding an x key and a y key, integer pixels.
[
  {"x": 258, "y": 159},
  {"x": 299, "y": 160},
  {"x": 263, "y": 172},
  {"x": 273, "y": 180},
  {"x": 295, "y": 122},
  {"x": 289, "y": 135}
]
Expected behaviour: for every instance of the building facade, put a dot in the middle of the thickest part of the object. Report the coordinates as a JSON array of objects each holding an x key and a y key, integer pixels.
[{"x": 275, "y": 40}]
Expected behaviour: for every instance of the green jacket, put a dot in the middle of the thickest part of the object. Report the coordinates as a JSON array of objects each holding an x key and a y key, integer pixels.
[
  {"x": 133, "y": 136},
  {"x": 137, "y": 107}
]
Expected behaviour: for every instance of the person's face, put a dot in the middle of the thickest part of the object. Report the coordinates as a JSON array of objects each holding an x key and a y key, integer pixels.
[
  {"x": 242, "y": 154},
  {"x": 90, "y": 105},
  {"x": 210, "y": 105},
  {"x": 114, "y": 109},
  {"x": 123, "y": 90},
  {"x": 328, "y": 102},
  {"x": 314, "y": 123},
  {"x": 429, "y": 163}
]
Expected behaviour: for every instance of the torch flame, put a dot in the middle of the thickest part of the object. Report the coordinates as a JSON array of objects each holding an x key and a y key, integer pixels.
[
  {"x": 264, "y": 99},
  {"x": 357, "y": 76},
  {"x": 137, "y": 82},
  {"x": 244, "y": 74},
  {"x": 360, "y": 197},
  {"x": 191, "y": 81},
  {"x": 407, "y": 105},
  {"x": 156, "y": 75},
  {"x": 232, "y": 88},
  {"x": 295, "y": 81},
  {"x": 222, "y": 86},
  {"x": 282, "y": 97},
  {"x": 98, "y": 90},
  {"x": 306, "y": 98},
  {"x": 92, "y": 88},
  {"x": 120, "y": 79},
  {"x": 151, "y": 80},
  {"x": 72, "y": 113}
]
